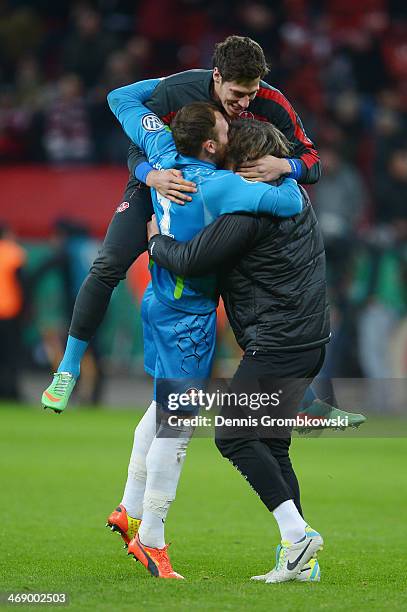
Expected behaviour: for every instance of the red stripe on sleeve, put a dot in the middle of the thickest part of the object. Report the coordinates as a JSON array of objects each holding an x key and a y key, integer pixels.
[
  {"x": 309, "y": 158},
  {"x": 168, "y": 118}
]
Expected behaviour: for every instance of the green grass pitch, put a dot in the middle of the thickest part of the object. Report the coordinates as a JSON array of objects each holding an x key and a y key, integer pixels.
[{"x": 62, "y": 475}]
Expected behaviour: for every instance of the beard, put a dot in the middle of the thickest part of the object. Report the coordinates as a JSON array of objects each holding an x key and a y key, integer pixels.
[{"x": 219, "y": 157}]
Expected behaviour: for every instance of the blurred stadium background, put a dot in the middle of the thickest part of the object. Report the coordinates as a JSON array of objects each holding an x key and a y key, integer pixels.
[{"x": 343, "y": 66}]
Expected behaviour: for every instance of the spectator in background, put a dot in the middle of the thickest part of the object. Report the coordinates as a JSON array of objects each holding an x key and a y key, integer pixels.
[
  {"x": 67, "y": 132},
  {"x": 12, "y": 259},
  {"x": 340, "y": 201},
  {"x": 110, "y": 143},
  {"x": 139, "y": 51},
  {"x": 12, "y": 128},
  {"x": 348, "y": 115},
  {"x": 74, "y": 251},
  {"x": 389, "y": 131},
  {"x": 21, "y": 32},
  {"x": 381, "y": 271},
  {"x": 391, "y": 188},
  {"x": 380, "y": 291},
  {"x": 88, "y": 46}
]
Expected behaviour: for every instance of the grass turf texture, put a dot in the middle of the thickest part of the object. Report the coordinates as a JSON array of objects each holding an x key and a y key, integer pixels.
[{"x": 62, "y": 475}]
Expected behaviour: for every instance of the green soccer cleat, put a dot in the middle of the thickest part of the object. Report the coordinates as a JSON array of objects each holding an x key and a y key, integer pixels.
[
  {"x": 320, "y": 411},
  {"x": 57, "y": 395}
]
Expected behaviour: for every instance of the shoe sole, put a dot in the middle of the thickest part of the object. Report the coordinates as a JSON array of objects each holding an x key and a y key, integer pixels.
[
  {"x": 56, "y": 410},
  {"x": 116, "y": 529}
]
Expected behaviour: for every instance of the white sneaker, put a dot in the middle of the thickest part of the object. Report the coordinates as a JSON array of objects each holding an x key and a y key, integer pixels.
[
  {"x": 311, "y": 572},
  {"x": 291, "y": 559}
]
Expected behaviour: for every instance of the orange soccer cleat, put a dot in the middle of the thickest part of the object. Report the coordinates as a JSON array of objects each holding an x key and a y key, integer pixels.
[
  {"x": 156, "y": 560},
  {"x": 124, "y": 524}
]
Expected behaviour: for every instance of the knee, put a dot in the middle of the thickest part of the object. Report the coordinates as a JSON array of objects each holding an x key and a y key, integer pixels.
[
  {"x": 111, "y": 265},
  {"x": 158, "y": 502},
  {"x": 279, "y": 447},
  {"x": 225, "y": 446}
]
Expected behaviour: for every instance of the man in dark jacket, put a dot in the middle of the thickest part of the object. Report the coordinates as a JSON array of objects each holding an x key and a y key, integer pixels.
[{"x": 273, "y": 285}]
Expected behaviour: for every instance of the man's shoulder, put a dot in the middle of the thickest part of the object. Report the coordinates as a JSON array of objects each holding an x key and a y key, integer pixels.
[
  {"x": 177, "y": 90},
  {"x": 268, "y": 101},
  {"x": 188, "y": 77},
  {"x": 234, "y": 184}
]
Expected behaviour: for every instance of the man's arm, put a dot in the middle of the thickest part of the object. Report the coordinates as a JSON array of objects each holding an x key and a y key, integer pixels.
[
  {"x": 230, "y": 193},
  {"x": 149, "y": 138},
  {"x": 137, "y": 160},
  {"x": 224, "y": 239},
  {"x": 135, "y": 157},
  {"x": 169, "y": 183},
  {"x": 305, "y": 164},
  {"x": 142, "y": 126}
]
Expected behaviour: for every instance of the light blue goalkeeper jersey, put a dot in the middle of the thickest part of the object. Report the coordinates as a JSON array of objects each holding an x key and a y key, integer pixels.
[{"x": 218, "y": 192}]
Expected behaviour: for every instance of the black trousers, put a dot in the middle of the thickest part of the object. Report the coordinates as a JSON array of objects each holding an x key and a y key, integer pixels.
[
  {"x": 125, "y": 240},
  {"x": 261, "y": 454},
  {"x": 10, "y": 356}
]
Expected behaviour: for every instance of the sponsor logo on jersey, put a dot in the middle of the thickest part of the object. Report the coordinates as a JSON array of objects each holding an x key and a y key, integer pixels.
[
  {"x": 152, "y": 123},
  {"x": 246, "y": 115},
  {"x": 122, "y": 207}
]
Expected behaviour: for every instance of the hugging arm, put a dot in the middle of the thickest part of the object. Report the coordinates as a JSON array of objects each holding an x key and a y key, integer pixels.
[
  {"x": 149, "y": 138},
  {"x": 141, "y": 125},
  {"x": 229, "y": 236}
]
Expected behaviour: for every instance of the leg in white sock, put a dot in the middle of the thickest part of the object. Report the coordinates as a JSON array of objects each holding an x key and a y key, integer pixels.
[
  {"x": 137, "y": 473},
  {"x": 290, "y": 522},
  {"x": 164, "y": 464}
]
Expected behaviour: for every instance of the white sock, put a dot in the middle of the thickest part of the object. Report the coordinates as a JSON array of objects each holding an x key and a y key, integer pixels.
[
  {"x": 290, "y": 522},
  {"x": 164, "y": 464},
  {"x": 137, "y": 474}
]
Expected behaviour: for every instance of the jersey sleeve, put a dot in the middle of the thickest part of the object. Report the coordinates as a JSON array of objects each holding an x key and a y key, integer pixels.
[
  {"x": 141, "y": 125},
  {"x": 226, "y": 238},
  {"x": 135, "y": 157},
  {"x": 305, "y": 162},
  {"x": 231, "y": 193},
  {"x": 282, "y": 201},
  {"x": 159, "y": 105}
]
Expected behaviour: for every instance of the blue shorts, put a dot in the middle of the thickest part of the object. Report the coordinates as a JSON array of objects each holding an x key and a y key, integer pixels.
[{"x": 179, "y": 347}]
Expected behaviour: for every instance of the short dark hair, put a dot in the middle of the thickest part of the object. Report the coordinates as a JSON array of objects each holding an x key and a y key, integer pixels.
[
  {"x": 251, "y": 139},
  {"x": 192, "y": 125},
  {"x": 240, "y": 59}
]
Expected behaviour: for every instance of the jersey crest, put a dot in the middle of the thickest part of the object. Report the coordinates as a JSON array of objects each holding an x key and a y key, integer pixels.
[
  {"x": 152, "y": 123},
  {"x": 246, "y": 115}
]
